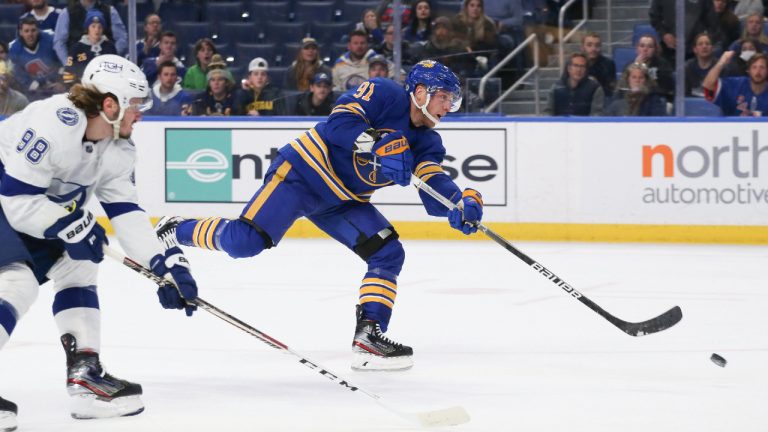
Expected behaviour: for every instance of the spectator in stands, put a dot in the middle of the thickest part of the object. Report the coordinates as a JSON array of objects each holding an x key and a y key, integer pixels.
[
  {"x": 387, "y": 47},
  {"x": 218, "y": 99},
  {"x": 92, "y": 43},
  {"x": 600, "y": 67},
  {"x": 11, "y": 100},
  {"x": 444, "y": 47},
  {"x": 738, "y": 64},
  {"x": 307, "y": 64},
  {"x": 728, "y": 25},
  {"x": 576, "y": 94},
  {"x": 45, "y": 15},
  {"x": 319, "y": 99},
  {"x": 351, "y": 68},
  {"x": 168, "y": 98},
  {"x": 753, "y": 29},
  {"x": 385, "y": 11},
  {"x": 744, "y": 8},
  {"x": 698, "y": 19},
  {"x": 258, "y": 97},
  {"x": 149, "y": 46},
  {"x": 474, "y": 26},
  {"x": 378, "y": 66},
  {"x": 167, "y": 54},
  {"x": 69, "y": 26},
  {"x": 3, "y": 51},
  {"x": 369, "y": 23},
  {"x": 636, "y": 95},
  {"x": 421, "y": 25},
  {"x": 35, "y": 65},
  {"x": 196, "y": 77},
  {"x": 696, "y": 69},
  {"x": 647, "y": 50},
  {"x": 739, "y": 96}
]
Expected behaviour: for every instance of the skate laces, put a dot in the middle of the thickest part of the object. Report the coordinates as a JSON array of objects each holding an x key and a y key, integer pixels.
[{"x": 380, "y": 335}]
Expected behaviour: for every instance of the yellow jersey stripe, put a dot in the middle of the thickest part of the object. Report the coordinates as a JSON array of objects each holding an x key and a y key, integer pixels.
[
  {"x": 200, "y": 240},
  {"x": 196, "y": 232},
  {"x": 370, "y": 289},
  {"x": 384, "y": 282},
  {"x": 211, "y": 230},
  {"x": 270, "y": 187},
  {"x": 314, "y": 151}
]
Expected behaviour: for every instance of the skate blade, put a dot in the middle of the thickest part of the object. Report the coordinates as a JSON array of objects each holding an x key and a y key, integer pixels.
[
  {"x": 89, "y": 406},
  {"x": 365, "y": 362},
  {"x": 444, "y": 417},
  {"x": 7, "y": 421}
]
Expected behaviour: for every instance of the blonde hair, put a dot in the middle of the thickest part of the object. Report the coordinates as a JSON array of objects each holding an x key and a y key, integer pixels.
[{"x": 88, "y": 99}]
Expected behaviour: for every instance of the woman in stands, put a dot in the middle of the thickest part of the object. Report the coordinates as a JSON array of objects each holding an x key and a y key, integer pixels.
[
  {"x": 637, "y": 95},
  {"x": 753, "y": 29},
  {"x": 475, "y": 27},
  {"x": 421, "y": 24},
  {"x": 306, "y": 65},
  {"x": 738, "y": 65},
  {"x": 196, "y": 77},
  {"x": 369, "y": 23}
]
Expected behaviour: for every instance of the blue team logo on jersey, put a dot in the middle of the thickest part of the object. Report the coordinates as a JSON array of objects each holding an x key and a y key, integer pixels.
[{"x": 68, "y": 116}]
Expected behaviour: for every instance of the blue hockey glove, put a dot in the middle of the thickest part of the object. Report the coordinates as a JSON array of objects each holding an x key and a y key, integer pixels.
[
  {"x": 393, "y": 154},
  {"x": 170, "y": 296},
  {"x": 466, "y": 221},
  {"x": 83, "y": 237}
]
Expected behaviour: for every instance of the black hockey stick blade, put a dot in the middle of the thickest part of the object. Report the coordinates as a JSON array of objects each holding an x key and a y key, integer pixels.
[{"x": 653, "y": 325}]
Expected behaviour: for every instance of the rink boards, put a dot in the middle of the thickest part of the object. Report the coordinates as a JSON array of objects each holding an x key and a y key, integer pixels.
[{"x": 682, "y": 181}]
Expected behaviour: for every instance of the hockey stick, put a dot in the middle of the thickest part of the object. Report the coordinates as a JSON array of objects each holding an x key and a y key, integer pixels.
[
  {"x": 653, "y": 325},
  {"x": 444, "y": 417}
]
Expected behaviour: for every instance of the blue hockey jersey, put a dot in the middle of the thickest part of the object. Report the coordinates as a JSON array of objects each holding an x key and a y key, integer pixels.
[
  {"x": 325, "y": 157},
  {"x": 38, "y": 64}
]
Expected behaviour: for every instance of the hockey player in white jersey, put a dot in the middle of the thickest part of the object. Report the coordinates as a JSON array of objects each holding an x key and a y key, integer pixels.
[{"x": 54, "y": 156}]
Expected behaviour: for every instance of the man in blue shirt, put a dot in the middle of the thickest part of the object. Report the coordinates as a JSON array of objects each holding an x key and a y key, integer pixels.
[
  {"x": 168, "y": 98},
  {"x": 35, "y": 65},
  {"x": 743, "y": 95}
]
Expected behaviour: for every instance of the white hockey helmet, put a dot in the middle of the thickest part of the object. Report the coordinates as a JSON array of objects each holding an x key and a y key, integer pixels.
[{"x": 113, "y": 74}]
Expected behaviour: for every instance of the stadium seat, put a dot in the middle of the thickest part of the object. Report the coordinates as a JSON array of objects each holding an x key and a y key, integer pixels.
[
  {"x": 245, "y": 52},
  {"x": 10, "y": 13},
  {"x": 189, "y": 32},
  {"x": 277, "y": 75},
  {"x": 314, "y": 11},
  {"x": 173, "y": 11},
  {"x": 8, "y": 32},
  {"x": 142, "y": 10},
  {"x": 226, "y": 11},
  {"x": 328, "y": 33},
  {"x": 234, "y": 32},
  {"x": 622, "y": 57},
  {"x": 446, "y": 7},
  {"x": 286, "y": 32},
  {"x": 353, "y": 10},
  {"x": 335, "y": 51},
  {"x": 699, "y": 107},
  {"x": 643, "y": 29},
  {"x": 265, "y": 12}
]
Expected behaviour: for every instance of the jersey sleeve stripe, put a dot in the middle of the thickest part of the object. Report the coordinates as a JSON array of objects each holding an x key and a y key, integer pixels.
[
  {"x": 278, "y": 178},
  {"x": 10, "y": 186},
  {"x": 116, "y": 209}
]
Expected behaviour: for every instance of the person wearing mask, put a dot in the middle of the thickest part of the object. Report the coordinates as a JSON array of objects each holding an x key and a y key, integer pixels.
[
  {"x": 168, "y": 98},
  {"x": 738, "y": 64},
  {"x": 319, "y": 99},
  {"x": 196, "y": 77},
  {"x": 744, "y": 96}
]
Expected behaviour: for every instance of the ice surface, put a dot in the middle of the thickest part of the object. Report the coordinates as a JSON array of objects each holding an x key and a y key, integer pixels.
[{"x": 489, "y": 334}]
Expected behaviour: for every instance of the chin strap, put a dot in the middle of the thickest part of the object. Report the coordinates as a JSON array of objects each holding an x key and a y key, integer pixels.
[
  {"x": 423, "y": 108},
  {"x": 116, "y": 123}
]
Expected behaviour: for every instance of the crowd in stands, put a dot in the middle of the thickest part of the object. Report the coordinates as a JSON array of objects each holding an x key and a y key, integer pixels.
[
  {"x": 731, "y": 31},
  {"x": 287, "y": 57}
]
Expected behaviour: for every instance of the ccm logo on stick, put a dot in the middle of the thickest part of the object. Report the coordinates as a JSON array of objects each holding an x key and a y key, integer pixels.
[{"x": 551, "y": 276}]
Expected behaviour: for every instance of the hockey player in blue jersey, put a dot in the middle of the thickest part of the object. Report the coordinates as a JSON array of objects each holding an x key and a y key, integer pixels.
[
  {"x": 55, "y": 155},
  {"x": 376, "y": 136}
]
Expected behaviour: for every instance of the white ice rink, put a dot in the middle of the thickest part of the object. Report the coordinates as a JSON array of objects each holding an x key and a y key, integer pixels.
[{"x": 489, "y": 334}]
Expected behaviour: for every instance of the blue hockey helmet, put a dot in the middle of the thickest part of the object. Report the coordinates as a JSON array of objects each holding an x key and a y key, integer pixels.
[{"x": 434, "y": 76}]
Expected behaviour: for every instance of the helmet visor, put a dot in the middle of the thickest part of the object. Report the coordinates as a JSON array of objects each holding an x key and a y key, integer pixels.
[{"x": 141, "y": 104}]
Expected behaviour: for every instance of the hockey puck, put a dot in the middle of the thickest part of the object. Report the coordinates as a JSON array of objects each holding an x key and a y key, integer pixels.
[{"x": 718, "y": 360}]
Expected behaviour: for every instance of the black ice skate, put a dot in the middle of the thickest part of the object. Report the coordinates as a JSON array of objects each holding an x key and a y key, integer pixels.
[
  {"x": 8, "y": 411},
  {"x": 375, "y": 352},
  {"x": 166, "y": 230},
  {"x": 94, "y": 392}
]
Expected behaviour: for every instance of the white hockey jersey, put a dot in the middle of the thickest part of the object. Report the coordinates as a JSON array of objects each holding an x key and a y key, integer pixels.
[{"x": 48, "y": 166}]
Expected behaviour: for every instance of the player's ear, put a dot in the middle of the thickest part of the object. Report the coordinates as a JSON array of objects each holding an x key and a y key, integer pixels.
[{"x": 110, "y": 106}]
